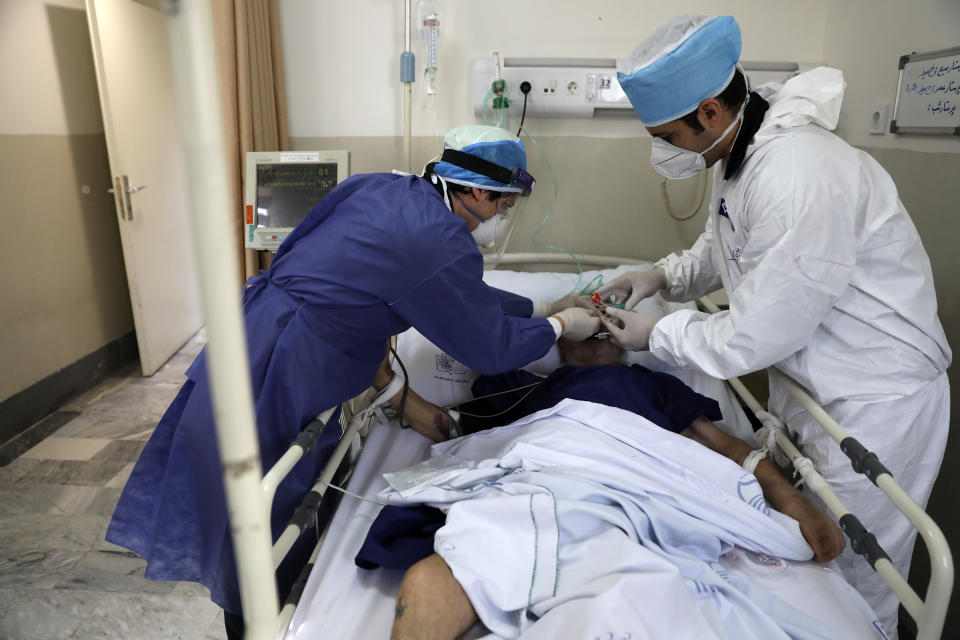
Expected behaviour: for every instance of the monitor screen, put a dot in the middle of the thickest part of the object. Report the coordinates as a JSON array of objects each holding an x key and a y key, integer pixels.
[{"x": 287, "y": 192}]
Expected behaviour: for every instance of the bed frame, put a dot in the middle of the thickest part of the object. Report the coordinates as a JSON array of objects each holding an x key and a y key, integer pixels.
[
  {"x": 929, "y": 615},
  {"x": 249, "y": 492}
]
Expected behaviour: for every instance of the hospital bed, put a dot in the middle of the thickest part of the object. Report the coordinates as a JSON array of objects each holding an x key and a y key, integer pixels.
[
  {"x": 249, "y": 494},
  {"x": 336, "y": 599}
]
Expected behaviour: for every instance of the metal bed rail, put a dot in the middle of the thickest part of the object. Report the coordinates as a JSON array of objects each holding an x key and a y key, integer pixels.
[
  {"x": 559, "y": 258},
  {"x": 199, "y": 114},
  {"x": 304, "y": 516},
  {"x": 249, "y": 493},
  {"x": 929, "y": 614}
]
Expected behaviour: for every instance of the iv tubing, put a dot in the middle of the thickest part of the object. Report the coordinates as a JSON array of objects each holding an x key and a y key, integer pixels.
[{"x": 556, "y": 193}]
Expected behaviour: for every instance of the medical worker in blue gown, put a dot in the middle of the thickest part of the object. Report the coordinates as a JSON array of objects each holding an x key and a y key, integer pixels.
[
  {"x": 827, "y": 277},
  {"x": 379, "y": 254}
]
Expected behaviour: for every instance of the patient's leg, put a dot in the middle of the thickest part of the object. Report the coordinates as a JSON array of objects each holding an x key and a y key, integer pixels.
[
  {"x": 818, "y": 529},
  {"x": 426, "y": 418},
  {"x": 431, "y": 604}
]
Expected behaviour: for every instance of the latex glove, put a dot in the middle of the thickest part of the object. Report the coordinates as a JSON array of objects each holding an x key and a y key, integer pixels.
[
  {"x": 633, "y": 286},
  {"x": 570, "y": 300},
  {"x": 578, "y": 324},
  {"x": 634, "y": 335}
]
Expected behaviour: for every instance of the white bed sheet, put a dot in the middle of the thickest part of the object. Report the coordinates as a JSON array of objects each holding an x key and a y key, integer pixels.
[{"x": 343, "y": 601}]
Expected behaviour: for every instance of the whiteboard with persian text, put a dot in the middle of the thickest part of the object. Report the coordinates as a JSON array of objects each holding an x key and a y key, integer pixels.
[{"x": 928, "y": 94}]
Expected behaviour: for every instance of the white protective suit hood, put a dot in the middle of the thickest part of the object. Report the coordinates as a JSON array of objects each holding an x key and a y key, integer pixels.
[{"x": 814, "y": 96}]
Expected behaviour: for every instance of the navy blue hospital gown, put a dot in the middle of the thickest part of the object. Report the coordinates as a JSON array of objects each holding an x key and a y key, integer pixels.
[{"x": 379, "y": 254}]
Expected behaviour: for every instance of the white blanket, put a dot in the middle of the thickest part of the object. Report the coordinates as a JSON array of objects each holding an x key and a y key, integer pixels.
[{"x": 586, "y": 521}]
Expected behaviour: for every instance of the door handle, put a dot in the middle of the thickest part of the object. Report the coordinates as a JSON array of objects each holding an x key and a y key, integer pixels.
[
  {"x": 125, "y": 190},
  {"x": 125, "y": 195},
  {"x": 118, "y": 192},
  {"x": 131, "y": 191}
]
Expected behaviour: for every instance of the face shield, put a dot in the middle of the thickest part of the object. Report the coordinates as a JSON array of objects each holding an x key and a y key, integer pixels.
[
  {"x": 510, "y": 188},
  {"x": 510, "y": 208}
]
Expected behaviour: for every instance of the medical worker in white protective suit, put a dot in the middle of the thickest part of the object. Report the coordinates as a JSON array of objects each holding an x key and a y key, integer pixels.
[{"x": 825, "y": 272}]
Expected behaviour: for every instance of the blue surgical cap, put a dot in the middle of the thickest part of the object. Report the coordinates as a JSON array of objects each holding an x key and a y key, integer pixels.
[
  {"x": 492, "y": 144},
  {"x": 686, "y": 61}
]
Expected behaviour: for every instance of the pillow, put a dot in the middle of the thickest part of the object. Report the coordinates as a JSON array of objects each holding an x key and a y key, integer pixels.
[
  {"x": 548, "y": 287},
  {"x": 443, "y": 381},
  {"x": 440, "y": 379},
  {"x": 433, "y": 374}
]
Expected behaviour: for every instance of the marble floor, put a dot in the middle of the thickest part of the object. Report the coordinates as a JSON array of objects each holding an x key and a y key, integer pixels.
[{"x": 59, "y": 579}]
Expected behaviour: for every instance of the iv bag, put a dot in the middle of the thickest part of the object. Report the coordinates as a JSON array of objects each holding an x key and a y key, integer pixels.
[{"x": 428, "y": 29}]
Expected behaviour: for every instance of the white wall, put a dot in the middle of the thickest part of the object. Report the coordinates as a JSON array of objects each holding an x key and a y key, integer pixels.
[
  {"x": 36, "y": 87},
  {"x": 342, "y": 70},
  {"x": 866, "y": 38},
  {"x": 343, "y": 58},
  {"x": 64, "y": 293}
]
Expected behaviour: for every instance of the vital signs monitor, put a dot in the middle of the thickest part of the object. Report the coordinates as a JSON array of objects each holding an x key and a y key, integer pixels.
[{"x": 281, "y": 189}]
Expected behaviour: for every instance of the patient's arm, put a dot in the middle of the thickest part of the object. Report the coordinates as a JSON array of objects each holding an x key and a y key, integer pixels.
[
  {"x": 426, "y": 418},
  {"x": 431, "y": 604},
  {"x": 819, "y": 530}
]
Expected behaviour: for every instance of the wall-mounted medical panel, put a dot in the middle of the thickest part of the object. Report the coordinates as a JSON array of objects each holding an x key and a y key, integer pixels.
[{"x": 575, "y": 87}]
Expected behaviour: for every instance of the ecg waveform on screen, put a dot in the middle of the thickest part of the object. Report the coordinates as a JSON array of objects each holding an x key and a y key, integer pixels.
[
  {"x": 286, "y": 193},
  {"x": 304, "y": 177}
]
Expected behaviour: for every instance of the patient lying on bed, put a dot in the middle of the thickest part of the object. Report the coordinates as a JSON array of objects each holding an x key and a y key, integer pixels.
[{"x": 432, "y": 604}]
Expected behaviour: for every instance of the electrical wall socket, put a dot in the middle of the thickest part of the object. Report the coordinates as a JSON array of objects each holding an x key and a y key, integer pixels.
[{"x": 879, "y": 118}]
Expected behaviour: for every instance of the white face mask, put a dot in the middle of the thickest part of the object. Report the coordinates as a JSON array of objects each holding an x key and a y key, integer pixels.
[
  {"x": 676, "y": 164},
  {"x": 488, "y": 232}
]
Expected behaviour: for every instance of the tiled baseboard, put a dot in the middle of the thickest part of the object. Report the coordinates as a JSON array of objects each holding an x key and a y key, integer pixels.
[{"x": 22, "y": 410}]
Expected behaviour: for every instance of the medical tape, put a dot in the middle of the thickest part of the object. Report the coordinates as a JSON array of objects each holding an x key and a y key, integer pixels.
[
  {"x": 766, "y": 436},
  {"x": 382, "y": 400},
  {"x": 455, "y": 431},
  {"x": 811, "y": 476},
  {"x": 393, "y": 387},
  {"x": 382, "y": 417},
  {"x": 753, "y": 459}
]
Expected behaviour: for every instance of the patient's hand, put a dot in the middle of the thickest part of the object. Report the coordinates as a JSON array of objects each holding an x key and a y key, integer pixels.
[
  {"x": 592, "y": 352},
  {"x": 818, "y": 529},
  {"x": 426, "y": 419}
]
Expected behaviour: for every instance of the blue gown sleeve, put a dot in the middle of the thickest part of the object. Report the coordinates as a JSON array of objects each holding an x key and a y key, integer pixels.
[
  {"x": 459, "y": 313},
  {"x": 514, "y": 304}
]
